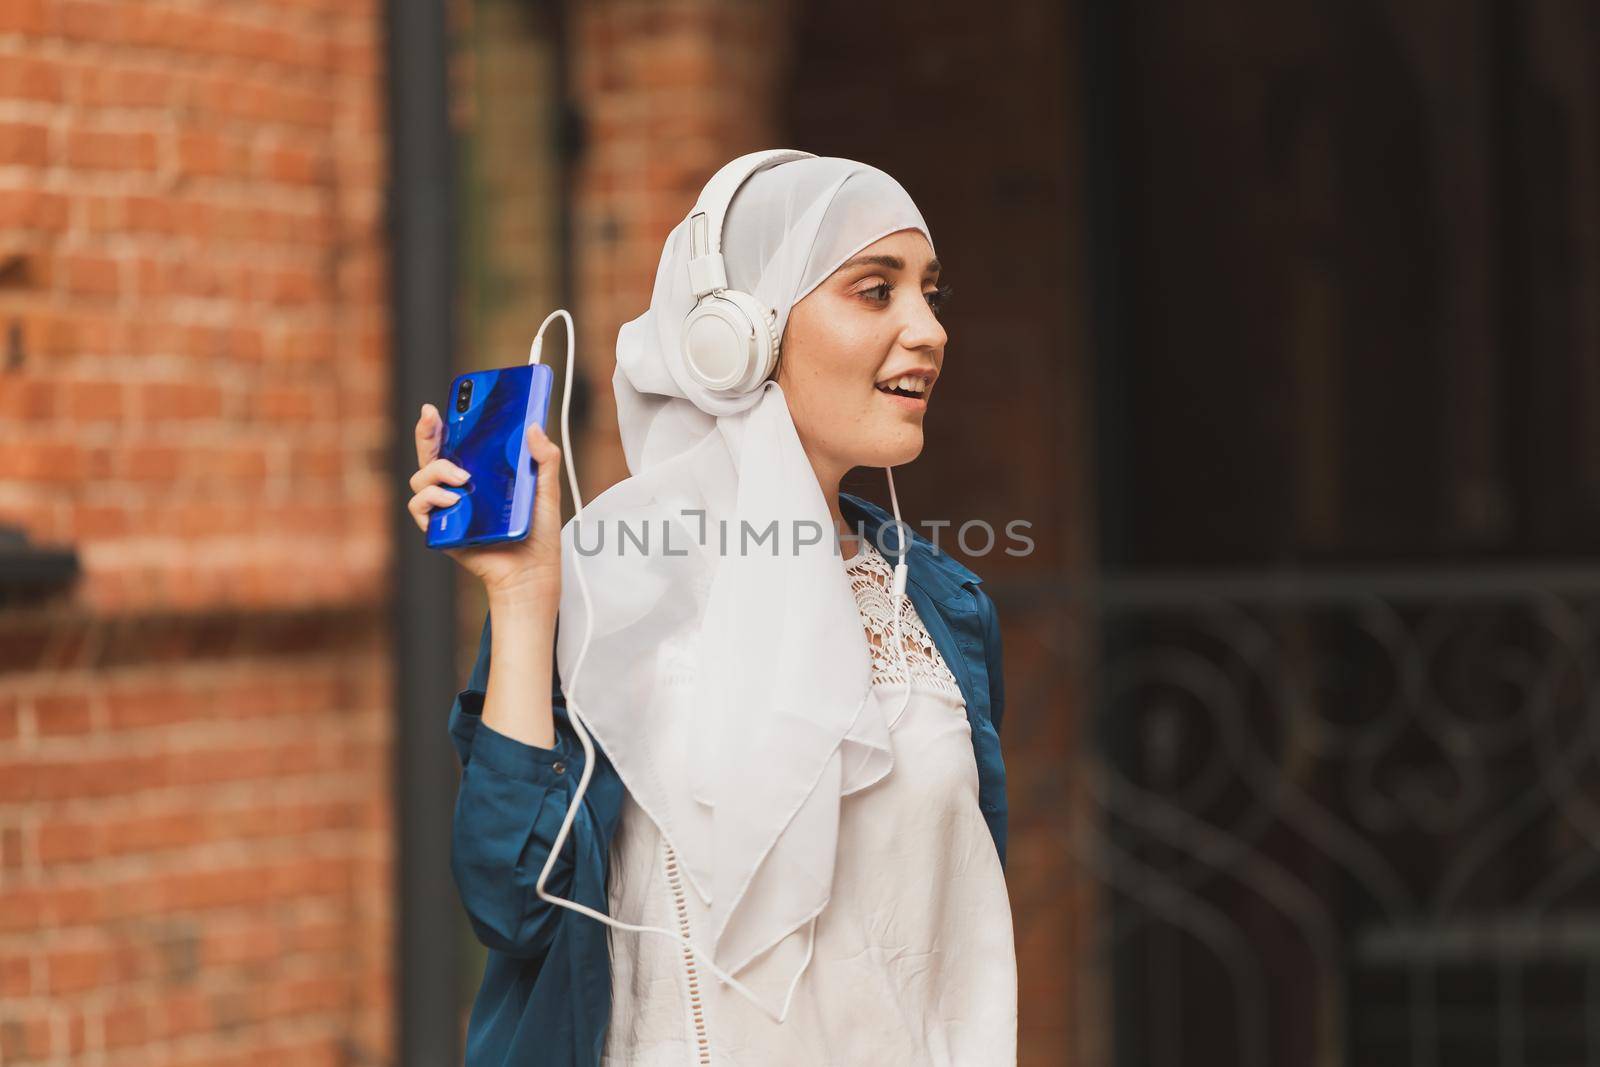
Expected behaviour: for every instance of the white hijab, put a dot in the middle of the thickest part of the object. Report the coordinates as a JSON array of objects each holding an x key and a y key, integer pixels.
[{"x": 740, "y": 748}]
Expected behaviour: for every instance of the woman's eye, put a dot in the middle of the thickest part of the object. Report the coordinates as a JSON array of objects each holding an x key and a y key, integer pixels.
[{"x": 937, "y": 298}]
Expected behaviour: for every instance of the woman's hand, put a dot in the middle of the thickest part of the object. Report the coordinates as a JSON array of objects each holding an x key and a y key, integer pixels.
[{"x": 529, "y": 569}]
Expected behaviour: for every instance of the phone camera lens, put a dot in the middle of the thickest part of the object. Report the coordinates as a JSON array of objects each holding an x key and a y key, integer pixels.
[{"x": 464, "y": 396}]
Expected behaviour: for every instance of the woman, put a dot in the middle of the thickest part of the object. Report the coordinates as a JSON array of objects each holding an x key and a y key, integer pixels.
[{"x": 820, "y": 813}]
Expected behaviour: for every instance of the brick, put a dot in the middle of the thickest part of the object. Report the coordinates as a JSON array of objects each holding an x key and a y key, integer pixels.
[
  {"x": 23, "y": 144},
  {"x": 10, "y": 716},
  {"x": 293, "y": 166},
  {"x": 305, "y": 345},
  {"x": 74, "y": 970},
  {"x": 312, "y": 464},
  {"x": 90, "y": 275},
  {"x": 95, "y": 20},
  {"x": 45, "y": 461},
  {"x": 25, "y": 1033},
  {"x": 16, "y": 975},
  {"x": 287, "y": 402},
  {"x": 149, "y": 214},
  {"x": 126, "y": 1023},
  {"x": 291, "y": 288},
  {"x": 99, "y": 522},
  {"x": 101, "y": 86},
  {"x": 204, "y": 153},
  {"x": 110, "y": 150},
  {"x": 98, "y": 462},
  {"x": 70, "y": 842},
  {"x": 13, "y": 847},
  {"x": 234, "y": 466},
  {"x": 167, "y": 401},
  {"x": 24, "y": 77},
  {"x": 240, "y": 944},
  {"x": 63, "y": 714},
  {"x": 33, "y": 209},
  {"x": 158, "y": 833},
  {"x": 24, "y": 16},
  {"x": 29, "y": 401},
  {"x": 132, "y": 709},
  {"x": 201, "y": 521},
  {"x": 105, "y": 333},
  {"x": 95, "y": 401},
  {"x": 75, "y": 1032},
  {"x": 181, "y": 1013},
  {"x": 148, "y": 463}
]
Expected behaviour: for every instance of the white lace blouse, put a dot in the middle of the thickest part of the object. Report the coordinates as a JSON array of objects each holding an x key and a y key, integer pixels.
[{"x": 913, "y": 960}]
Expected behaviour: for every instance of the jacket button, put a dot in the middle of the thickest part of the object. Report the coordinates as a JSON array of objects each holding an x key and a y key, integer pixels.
[{"x": 559, "y": 767}]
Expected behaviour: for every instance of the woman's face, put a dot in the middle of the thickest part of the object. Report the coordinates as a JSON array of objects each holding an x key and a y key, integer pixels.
[{"x": 860, "y": 355}]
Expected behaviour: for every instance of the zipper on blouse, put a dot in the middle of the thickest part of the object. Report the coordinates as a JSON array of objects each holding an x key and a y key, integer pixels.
[{"x": 702, "y": 1041}]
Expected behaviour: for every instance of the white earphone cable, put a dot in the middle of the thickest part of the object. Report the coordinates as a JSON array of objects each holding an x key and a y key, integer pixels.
[
  {"x": 899, "y": 594},
  {"x": 575, "y": 715}
]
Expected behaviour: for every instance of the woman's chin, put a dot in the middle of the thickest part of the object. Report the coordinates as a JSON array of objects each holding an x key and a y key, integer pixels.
[{"x": 902, "y": 447}]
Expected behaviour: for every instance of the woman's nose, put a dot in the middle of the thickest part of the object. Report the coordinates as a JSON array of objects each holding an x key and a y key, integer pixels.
[{"x": 923, "y": 329}]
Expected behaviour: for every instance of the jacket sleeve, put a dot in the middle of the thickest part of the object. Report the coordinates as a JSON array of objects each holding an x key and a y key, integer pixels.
[
  {"x": 510, "y": 805},
  {"x": 992, "y": 655}
]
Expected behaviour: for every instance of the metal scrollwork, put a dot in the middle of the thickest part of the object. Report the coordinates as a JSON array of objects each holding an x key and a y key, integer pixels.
[{"x": 1367, "y": 805}]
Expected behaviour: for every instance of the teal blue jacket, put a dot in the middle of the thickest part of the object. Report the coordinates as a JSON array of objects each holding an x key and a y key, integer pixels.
[{"x": 545, "y": 997}]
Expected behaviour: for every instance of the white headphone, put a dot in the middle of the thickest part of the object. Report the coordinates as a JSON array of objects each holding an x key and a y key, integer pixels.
[{"x": 730, "y": 342}]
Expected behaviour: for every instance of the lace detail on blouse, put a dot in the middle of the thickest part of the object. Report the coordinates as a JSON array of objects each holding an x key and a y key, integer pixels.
[{"x": 872, "y": 581}]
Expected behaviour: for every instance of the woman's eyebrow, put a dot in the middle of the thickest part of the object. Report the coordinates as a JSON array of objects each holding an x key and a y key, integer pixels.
[{"x": 892, "y": 262}]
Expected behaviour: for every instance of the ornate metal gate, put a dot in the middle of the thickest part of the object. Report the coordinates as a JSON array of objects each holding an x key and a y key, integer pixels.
[{"x": 1347, "y": 819}]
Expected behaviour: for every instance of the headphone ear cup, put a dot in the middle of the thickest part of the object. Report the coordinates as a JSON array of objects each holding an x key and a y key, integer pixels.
[
  {"x": 763, "y": 331},
  {"x": 730, "y": 342}
]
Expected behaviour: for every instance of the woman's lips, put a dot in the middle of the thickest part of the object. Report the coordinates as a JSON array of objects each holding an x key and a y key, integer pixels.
[{"x": 904, "y": 403}]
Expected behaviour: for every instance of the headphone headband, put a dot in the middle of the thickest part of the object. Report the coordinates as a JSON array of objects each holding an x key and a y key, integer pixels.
[
  {"x": 707, "y": 271},
  {"x": 730, "y": 341}
]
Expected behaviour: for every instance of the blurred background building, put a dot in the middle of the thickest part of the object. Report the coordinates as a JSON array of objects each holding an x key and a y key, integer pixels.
[{"x": 1280, "y": 322}]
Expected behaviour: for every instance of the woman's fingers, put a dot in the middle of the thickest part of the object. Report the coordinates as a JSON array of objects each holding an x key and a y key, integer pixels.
[
  {"x": 440, "y": 470},
  {"x": 546, "y": 532},
  {"x": 429, "y": 437},
  {"x": 428, "y": 498},
  {"x": 540, "y": 447},
  {"x": 548, "y": 457}
]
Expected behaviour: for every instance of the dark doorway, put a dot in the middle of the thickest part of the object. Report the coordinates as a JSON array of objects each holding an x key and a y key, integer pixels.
[{"x": 1346, "y": 264}]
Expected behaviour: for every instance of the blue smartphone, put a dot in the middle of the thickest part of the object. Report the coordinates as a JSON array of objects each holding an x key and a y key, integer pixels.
[{"x": 485, "y": 433}]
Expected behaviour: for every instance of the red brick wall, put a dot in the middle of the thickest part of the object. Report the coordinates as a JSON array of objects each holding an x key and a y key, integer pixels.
[{"x": 194, "y": 738}]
